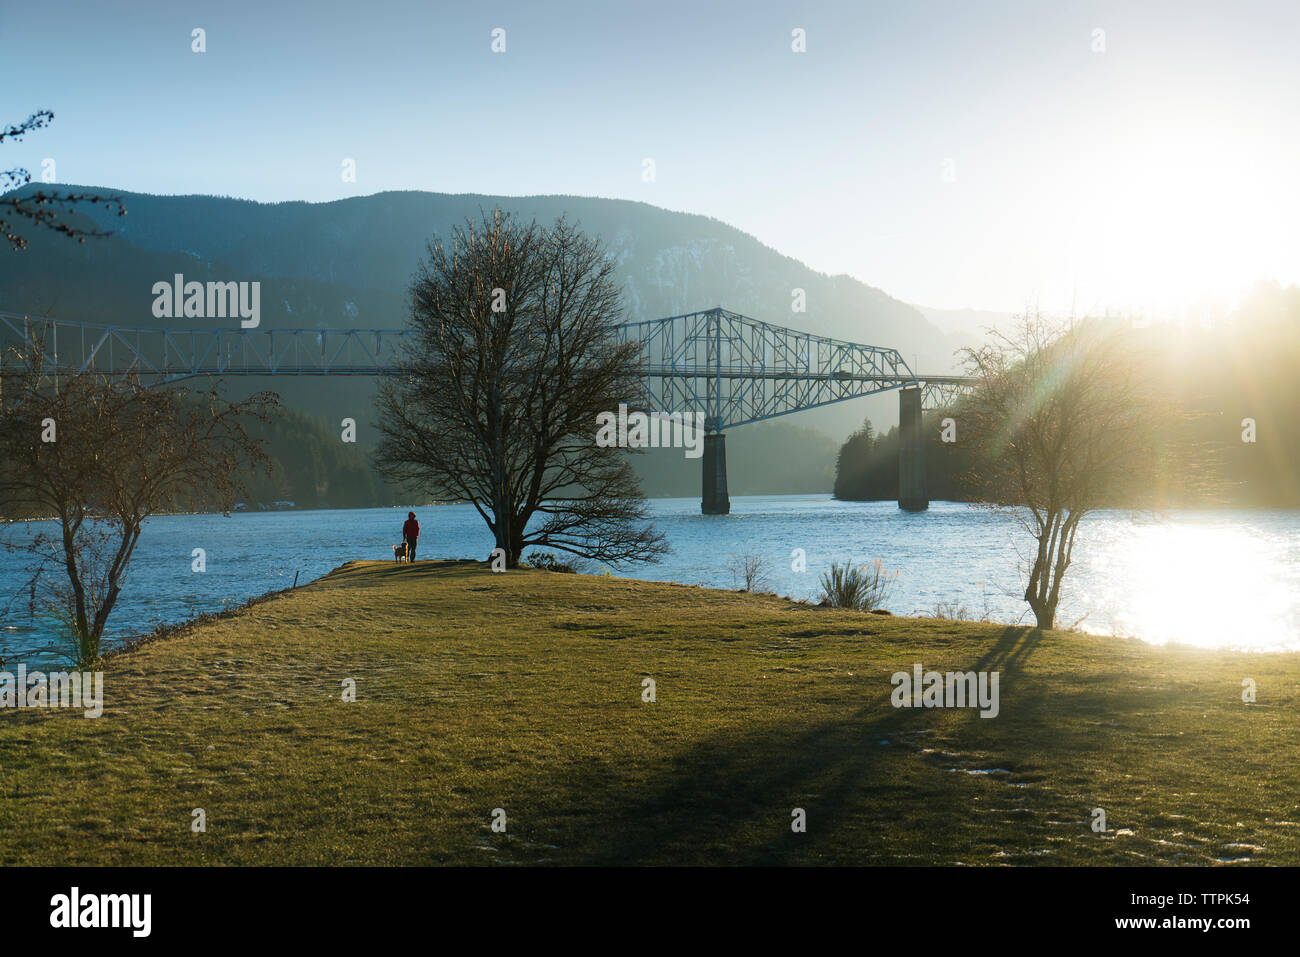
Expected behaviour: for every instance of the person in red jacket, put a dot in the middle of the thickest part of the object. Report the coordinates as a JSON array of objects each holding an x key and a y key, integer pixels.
[{"x": 410, "y": 532}]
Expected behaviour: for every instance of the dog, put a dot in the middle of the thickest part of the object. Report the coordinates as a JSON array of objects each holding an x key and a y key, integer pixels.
[{"x": 399, "y": 552}]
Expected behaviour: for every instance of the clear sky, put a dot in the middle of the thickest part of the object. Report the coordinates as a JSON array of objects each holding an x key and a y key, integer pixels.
[{"x": 955, "y": 154}]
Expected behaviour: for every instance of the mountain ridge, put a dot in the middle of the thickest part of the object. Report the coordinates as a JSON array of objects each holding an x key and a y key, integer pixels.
[
  {"x": 670, "y": 262},
  {"x": 347, "y": 263}
]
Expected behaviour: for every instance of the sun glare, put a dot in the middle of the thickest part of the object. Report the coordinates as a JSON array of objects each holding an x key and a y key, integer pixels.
[
  {"x": 1207, "y": 587},
  {"x": 1165, "y": 221}
]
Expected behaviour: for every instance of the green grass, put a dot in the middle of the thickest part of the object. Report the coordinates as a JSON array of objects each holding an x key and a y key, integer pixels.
[{"x": 523, "y": 691}]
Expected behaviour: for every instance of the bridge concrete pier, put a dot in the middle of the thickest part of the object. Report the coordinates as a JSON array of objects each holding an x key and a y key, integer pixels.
[
  {"x": 912, "y": 494},
  {"x": 715, "y": 500}
]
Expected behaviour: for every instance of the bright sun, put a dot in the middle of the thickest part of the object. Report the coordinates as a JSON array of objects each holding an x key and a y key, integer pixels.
[{"x": 1163, "y": 220}]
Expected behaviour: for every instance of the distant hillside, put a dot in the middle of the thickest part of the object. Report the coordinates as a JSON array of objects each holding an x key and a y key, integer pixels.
[
  {"x": 368, "y": 247},
  {"x": 348, "y": 264},
  {"x": 966, "y": 326}
]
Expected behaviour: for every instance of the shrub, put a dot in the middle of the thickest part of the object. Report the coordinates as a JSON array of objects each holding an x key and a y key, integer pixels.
[
  {"x": 950, "y": 611},
  {"x": 547, "y": 562},
  {"x": 861, "y": 587}
]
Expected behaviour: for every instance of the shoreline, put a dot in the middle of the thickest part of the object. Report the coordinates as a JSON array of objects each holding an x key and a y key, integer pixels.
[
  {"x": 168, "y": 631},
  {"x": 181, "y": 628},
  {"x": 1107, "y": 593}
]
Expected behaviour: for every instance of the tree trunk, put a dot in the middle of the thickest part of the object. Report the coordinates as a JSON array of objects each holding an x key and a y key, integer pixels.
[
  {"x": 516, "y": 550},
  {"x": 1044, "y": 612}
]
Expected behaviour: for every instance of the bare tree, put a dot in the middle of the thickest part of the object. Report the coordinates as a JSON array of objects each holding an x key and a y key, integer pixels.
[
  {"x": 41, "y": 209},
  {"x": 1063, "y": 420},
  {"x": 514, "y": 358},
  {"x": 99, "y": 456},
  {"x": 751, "y": 569}
]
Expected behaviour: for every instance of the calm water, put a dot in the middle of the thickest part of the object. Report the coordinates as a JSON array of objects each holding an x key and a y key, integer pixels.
[{"x": 1211, "y": 578}]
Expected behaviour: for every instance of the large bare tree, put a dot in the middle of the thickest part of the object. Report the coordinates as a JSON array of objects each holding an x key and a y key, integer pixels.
[
  {"x": 514, "y": 358},
  {"x": 1063, "y": 420},
  {"x": 99, "y": 455}
]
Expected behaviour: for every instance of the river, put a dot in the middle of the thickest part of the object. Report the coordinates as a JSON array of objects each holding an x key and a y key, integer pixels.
[{"x": 1225, "y": 578}]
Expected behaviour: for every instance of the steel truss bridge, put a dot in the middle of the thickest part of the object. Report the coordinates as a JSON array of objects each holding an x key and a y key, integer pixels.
[
  {"x": 734, "y": 369},
  {"x": 739, "y": 370}
]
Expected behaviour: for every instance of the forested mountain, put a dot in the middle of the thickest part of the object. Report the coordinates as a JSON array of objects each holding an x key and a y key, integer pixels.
[
  {"x": 348, "y": 264},
  {"x": 366, "y": 249}
]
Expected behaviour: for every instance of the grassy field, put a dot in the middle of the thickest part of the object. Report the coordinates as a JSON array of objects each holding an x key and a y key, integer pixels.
[{"x": 523, "y": 691}]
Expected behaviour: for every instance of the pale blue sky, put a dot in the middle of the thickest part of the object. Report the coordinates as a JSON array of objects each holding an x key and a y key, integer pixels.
[{"x": 1152, "y": 175}]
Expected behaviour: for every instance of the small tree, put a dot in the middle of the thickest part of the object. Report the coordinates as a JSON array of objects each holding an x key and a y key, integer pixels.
[
  {"x": 515, "y": 356},
  {"x": 41, "y": 209},
  {"x": 99, "y": 456},
  {"x": 1062, "y": 421},
  {"x": 751, "y": 569}
]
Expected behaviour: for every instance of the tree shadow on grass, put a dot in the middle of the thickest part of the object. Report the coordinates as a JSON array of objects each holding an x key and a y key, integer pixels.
[
  {"x": 729, "y": 798},
  {"x": 1011, "y": 650}
]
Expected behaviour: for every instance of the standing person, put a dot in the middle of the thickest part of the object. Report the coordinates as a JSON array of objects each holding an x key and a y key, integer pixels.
[{"x": 410, "y": 532}]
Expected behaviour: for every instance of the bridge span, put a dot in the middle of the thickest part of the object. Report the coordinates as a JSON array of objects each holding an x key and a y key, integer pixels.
[{"x": 734, "y": 369}]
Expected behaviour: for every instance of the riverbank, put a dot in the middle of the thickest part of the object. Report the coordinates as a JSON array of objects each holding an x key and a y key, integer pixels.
[{"x": 524, "y": 691}]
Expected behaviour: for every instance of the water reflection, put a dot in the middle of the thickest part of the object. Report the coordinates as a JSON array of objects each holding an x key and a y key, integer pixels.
[{"x": 1210, "y": 580}]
